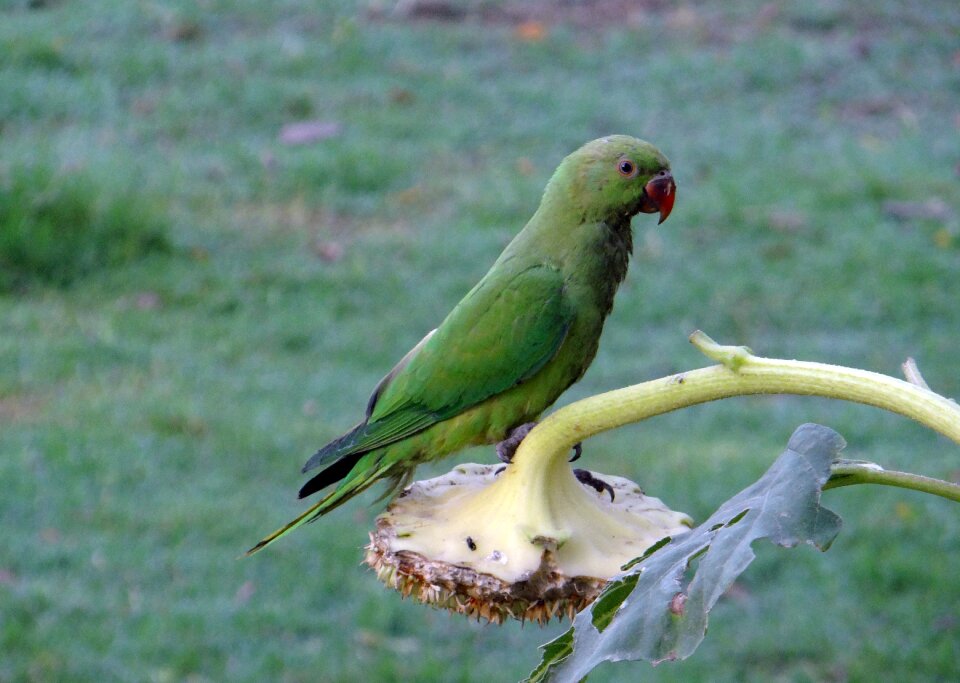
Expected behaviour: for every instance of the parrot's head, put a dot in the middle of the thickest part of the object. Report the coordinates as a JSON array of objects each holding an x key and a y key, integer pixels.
[{"x": 617, "y": 177}]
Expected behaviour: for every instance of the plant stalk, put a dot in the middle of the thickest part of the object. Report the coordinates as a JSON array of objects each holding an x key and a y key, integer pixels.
[
  {"x": 849, "y": 473},
  {"x": 741, "y": 373}
]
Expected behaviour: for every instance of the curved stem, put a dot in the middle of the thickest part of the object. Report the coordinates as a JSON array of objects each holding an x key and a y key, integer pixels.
[
  {"x": 846, "y": 473},
  {"x": 740, "y": 373}
]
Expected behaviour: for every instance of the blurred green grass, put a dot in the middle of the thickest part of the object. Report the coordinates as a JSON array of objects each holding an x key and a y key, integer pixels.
[
  {"x": 154, "y": 415},
  {"x": 58, "y": 225}
]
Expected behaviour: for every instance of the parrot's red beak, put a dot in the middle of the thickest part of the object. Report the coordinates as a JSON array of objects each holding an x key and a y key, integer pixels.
[{"x": 660, "y": 194}]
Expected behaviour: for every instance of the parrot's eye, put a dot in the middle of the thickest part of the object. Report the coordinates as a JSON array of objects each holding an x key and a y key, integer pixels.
[{"x": 627, "y": 168}]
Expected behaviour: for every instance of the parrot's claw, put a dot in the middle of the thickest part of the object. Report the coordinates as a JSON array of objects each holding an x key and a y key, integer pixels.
[
  {"x": 584, "y": 477},
  {"x": 499, "y": 470},
  {"x": 508, "y": 447},
  {"x": 577, "y": 452}
]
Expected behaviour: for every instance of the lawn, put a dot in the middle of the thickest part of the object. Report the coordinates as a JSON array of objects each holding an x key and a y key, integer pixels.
[{"x": 155, "y": 411}]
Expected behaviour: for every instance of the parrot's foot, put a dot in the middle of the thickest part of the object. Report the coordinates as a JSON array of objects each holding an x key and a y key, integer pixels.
[
  {"x": 584, "y": 477},
  {"x": 508, "y": 447}
]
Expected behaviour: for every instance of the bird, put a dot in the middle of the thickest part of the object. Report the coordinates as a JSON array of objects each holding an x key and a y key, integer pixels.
[{"x": 516, "y": 341}]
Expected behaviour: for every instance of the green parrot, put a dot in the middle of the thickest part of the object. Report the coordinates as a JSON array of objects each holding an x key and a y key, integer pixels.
[{"x": 527, "y": 331}]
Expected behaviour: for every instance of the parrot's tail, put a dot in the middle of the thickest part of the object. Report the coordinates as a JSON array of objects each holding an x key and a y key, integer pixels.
[
  {"x": 347, "y": 490},
  {"x": 307, "y": 516},
  {"x": 330, "y": 475}
]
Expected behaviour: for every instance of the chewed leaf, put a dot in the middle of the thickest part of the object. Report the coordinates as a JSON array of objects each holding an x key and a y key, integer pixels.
[{"x": 652, "y": 612}]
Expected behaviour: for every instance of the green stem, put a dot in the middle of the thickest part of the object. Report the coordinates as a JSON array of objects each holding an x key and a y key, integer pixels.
[
  {"x": 740, "y": 373},
  {"x": 849, "y": 473}
]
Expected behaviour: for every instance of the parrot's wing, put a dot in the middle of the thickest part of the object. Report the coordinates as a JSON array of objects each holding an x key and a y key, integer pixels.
[
  {"x": 388, "y": 378},
  {"x": 496, "y": 337}
]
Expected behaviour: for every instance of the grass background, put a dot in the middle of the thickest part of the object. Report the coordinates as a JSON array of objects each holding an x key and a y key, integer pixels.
[{"x": 154, "y": 414}]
